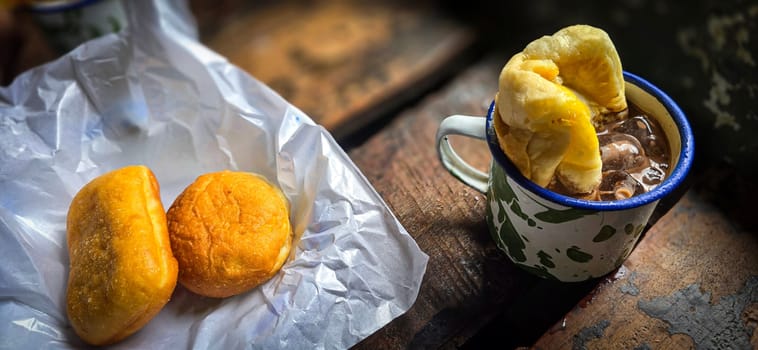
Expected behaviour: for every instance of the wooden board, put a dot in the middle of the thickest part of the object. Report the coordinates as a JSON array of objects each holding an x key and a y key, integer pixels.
[
  {"x": 467, "y": 278},
  {"x": 469, "y": 283},
  {"x": 472, "y": 295},
  {"x": 344, "y": 63},
  {"x": 691, "y": 283}
]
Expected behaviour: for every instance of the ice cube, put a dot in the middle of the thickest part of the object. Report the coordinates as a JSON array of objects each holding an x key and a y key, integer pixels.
[
  {"x": 621, "y": 152},
  {"x": 619, "y": 184},
  {"x": 640, "y": 128}
]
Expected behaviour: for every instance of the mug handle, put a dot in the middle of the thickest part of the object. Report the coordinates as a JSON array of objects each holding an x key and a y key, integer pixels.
[{"x": 466, "y": 126}]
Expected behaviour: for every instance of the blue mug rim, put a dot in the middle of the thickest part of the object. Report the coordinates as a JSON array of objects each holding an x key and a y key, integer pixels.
[{"x": 669, "y": 184}]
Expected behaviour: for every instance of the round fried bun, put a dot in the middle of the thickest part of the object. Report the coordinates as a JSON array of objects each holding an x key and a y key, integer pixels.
[{"x": 230, "y": 232}]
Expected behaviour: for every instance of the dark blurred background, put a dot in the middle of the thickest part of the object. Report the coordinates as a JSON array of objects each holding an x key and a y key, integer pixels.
[{"x": 702, "y": 52}]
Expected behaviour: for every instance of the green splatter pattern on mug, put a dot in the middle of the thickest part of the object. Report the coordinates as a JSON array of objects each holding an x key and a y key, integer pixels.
[
  {"x": 557, "y": 242},
  {"x": 555, "y": 236}
]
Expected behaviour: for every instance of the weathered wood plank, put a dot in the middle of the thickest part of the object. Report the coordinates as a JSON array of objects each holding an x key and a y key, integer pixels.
[
  {"x": 468, "y": 282},
  {"x": 470, "y": 287},
  {"x": 466, "y": 275},
  {"x": 344, "y": 63},
  {"x": 692, "y": 282}
]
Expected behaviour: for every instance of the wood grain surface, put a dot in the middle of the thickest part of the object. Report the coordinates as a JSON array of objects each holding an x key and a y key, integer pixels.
[
  {"x": 466, "y": 275},
  {"x": 344, "y": 63},
  {"x": 468, "y": 282},
  {"x": 691, "y": 283}
]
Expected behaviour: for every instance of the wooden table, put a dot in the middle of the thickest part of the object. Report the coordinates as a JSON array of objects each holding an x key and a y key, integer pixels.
[
  {"x": 691, "y": 282},
  {"x": 381, "y": 79}
]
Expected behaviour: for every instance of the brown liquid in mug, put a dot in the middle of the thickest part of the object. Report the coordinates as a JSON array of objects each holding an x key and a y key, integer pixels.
[{"x": 635, "y": 156}]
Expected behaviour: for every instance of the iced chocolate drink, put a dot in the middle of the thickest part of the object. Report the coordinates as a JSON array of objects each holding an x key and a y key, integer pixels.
[
  {"x": 562, "y": 118},
  {"x": 635, "y": 157}
]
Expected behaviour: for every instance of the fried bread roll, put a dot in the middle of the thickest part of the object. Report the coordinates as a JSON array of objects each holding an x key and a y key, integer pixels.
[
  {"x": 549, "y": 97},
  {"x": 122, "y": 271},
  {"x": 230, "y": 232}
]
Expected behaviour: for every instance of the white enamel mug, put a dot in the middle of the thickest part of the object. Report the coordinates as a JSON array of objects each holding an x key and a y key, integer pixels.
[{"x": 561, "y": 237}]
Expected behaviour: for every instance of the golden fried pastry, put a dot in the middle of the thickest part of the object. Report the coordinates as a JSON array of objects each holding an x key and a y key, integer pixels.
[
  {"x": 548, "y": 96},
  {"x": 230, "y": 232},
  {"x": 122, "y": 271}
]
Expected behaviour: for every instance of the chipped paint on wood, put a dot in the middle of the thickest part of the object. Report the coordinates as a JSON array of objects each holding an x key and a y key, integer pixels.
[
  {"x": 723, "y": 27},
  {"x": 711, "y": 326},
  {"x": 719, "y": 97},
  {"x": 629, "y": 287},
  {"x": 727, "y": 33},
  {"x": 588, "y": 333}
]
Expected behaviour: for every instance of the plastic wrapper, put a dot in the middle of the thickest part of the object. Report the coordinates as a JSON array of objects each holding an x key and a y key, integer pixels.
[{"x": 153, "y": 95}]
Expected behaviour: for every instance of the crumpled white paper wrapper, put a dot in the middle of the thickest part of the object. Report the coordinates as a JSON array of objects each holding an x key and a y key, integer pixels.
[{"x": 153, "y": 95}]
